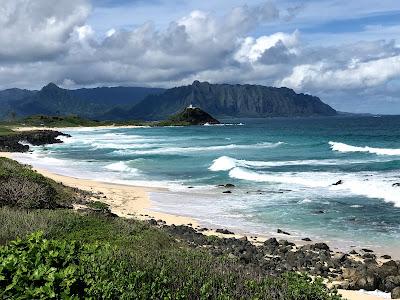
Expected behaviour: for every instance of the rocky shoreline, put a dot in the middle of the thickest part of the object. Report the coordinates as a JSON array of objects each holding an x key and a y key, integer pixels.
[
  {"x": 361, "y": 270},
  {"x": 15, "y": 142}
]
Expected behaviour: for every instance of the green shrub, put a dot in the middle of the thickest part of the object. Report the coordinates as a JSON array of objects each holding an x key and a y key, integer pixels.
[
  {"x": 20, "y": 186},
  {"x": 36, "y": 268},
  {"x": 98, "y": 205}
]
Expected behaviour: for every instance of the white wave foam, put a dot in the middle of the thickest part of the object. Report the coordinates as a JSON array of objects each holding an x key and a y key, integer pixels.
[
  {"x": 341, "y": 147},
  {"x": 226, "y": 163},
  {"x": 223, "y": 163},
  {"x": 179, "y": 150},
  {"x": 288, "y": 178},
  {"x": 378, "y": 186},
  {"x": 306, "y": 200},
  {"x": 28, "y": 158},
  {"x": 121, "y": 166}
]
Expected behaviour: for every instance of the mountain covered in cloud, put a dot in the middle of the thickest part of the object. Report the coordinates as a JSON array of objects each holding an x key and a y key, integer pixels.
[{"x": 121, "y": 103}]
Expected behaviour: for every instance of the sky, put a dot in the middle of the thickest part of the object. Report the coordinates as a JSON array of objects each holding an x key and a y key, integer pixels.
[{"x": 347, "y": 52}]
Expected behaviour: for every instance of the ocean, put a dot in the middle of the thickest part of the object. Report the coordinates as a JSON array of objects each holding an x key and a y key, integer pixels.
[{"x": 284, "y": 171}]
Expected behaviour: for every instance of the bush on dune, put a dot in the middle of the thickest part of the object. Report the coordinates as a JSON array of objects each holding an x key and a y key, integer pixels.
[{"x": 22, "y": 187}]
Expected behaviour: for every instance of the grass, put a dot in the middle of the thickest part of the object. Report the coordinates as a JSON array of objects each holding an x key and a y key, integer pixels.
[
  {"x": 115, "y": 258},
  {"x": 5, "y": 131}
]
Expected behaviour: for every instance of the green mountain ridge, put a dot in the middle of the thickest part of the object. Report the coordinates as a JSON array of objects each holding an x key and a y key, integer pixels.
[
  {"x": 140, "y": 103},
  {"x": 230, "y": 100},
  {"x": 87, "y": 102}
]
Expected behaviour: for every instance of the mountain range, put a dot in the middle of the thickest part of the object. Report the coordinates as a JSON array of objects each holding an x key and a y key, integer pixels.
[{"x": 141, "y": 103}]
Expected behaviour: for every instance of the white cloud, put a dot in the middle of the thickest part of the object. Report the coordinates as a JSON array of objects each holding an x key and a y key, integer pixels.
[
  {"x": 253, "y": 49},
  {"x": 39, "y": 29},
  {"x": 355, "y": 75}
]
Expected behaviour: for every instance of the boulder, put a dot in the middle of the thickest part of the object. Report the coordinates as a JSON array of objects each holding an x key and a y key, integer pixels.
[
  {"x": 223, "y": 231},
  {"x": 282, "y": 232},
  {"x": 395, "y": 294},
  {"x": 320, "y": 246}
]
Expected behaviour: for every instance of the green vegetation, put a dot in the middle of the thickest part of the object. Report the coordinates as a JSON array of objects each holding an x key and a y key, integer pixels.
[
  {"x": 4, "y": 131},
  {"x": 65, "y": 121},
  {"x": 96, "y": 257},
  {"x": 20, "y": 186},
  {"x": 75, "y": 121},
  {"x": 88, "y": 254}
]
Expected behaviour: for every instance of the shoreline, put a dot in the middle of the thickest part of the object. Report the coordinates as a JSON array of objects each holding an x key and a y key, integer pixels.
[
  {"x": 134, "y": 202},
  {"x": 30, "y": 128}
]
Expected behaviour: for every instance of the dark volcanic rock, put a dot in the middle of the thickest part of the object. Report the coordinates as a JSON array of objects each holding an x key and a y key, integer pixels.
[
  {"x": 338, "y": 182},
  {"x": 395, "y": 294},
  {"x": 282, "y": 232},
  {"x": 306, "y": 239},
  {"x": 224, "y": 231},
  {"x": 193, "y": 116},
  {"x": 226, "y": 192},
  {"x": 367, "y": 250},
  {"x": 12, "y": 143}
]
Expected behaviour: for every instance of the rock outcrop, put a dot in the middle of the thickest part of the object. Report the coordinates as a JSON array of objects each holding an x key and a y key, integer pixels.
[
  {"x": 193, "y": 116},
  {"x": 17, "y": 142}
]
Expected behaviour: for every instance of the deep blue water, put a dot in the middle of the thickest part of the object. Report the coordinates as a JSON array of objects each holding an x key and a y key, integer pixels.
[{"x": 283, "y": 169}]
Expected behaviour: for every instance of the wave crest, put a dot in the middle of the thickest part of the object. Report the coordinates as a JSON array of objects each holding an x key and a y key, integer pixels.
[
  {"x": 342, "y": 147},
  {"x": 121, "y": 166}
]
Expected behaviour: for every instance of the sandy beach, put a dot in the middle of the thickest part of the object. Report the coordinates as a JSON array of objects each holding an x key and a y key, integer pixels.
[{"x": 134, "y": 202}]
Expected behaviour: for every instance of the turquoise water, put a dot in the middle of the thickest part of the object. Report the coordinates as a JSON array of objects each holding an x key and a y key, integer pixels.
[{"x": 283, "y": 169}]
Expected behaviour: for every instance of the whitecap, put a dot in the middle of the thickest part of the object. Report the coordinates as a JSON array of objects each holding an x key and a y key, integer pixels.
[
  {"x": 341, "y": 147},
  {"x": 226, "y": 163},
  {"x": 183, "y": 150},
  {"x": 122, "y": 166}
]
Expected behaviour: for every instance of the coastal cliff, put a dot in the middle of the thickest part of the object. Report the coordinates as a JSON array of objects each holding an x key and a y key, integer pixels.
[{"x": 231, "y": 100}]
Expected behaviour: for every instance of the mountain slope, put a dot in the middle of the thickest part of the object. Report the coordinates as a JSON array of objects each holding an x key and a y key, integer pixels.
[
  {"x": 9, "y": 98},
  {"x": 53, "y": 100},
  {"x": 121, "y": 96},
  {"x": 231, "y": 100}
]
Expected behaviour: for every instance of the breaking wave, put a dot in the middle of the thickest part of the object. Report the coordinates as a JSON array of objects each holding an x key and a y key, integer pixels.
[
  {"x": 183, "y": 150},
  {"x": 341, "y": 147},
  {"x": 122, "y": 166}
]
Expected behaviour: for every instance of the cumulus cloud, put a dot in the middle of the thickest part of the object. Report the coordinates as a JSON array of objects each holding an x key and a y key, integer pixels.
[
  {"x": 355, "y": 75},
  {"x": 33, "y": 30}
]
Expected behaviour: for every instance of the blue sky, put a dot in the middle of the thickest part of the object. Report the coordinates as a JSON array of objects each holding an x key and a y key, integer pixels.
[{"x": 345, "y": 52}]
